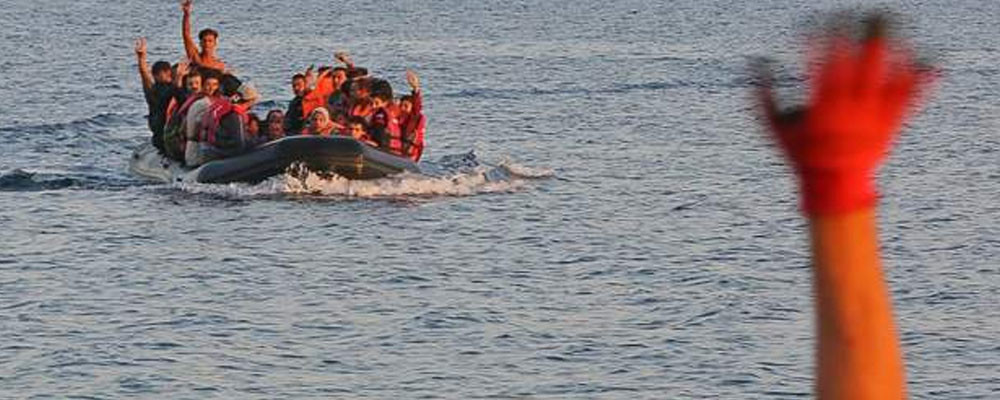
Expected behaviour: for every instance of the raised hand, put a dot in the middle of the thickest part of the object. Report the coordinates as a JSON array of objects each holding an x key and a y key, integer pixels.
[
  {"x": 413, "y": 80},
  {"x": 310, "y": 77},
  {"x": 343, "y": 58},
  {"x": 140, "y": 46},
  {"x": 187, "y": 6},
  {"x": 860, "y": 93}
]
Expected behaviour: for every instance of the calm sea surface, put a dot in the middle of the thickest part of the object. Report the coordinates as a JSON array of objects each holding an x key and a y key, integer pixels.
[{"x": 604, "y": 220}]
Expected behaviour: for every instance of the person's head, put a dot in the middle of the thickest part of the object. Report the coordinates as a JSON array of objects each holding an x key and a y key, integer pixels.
[
  {"x": 192, "y": 81},
  {"x": 361, "y": 89},
  {"x": 381, "y": 93},
  {"x": 347, "y": 88},
  {"x": 339, "y": 76},
  {"x": 299, "y": 84},
  {"x": 210, "y": 81},
  {"x": 162, "y": 72},
  {"x": 230, "y": 85},
  {"x": 209, "y": 40},
  {"x": 406, "y": 104},
  {"x": 319, "y": 119},
  {"x": 275, "y": 124},
  {"x": 357, "y": 127},
  {"x": 253, "y": 124}
]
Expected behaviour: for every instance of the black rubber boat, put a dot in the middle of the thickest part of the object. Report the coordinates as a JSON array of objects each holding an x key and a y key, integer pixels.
[{"x": 339, "y": 155}]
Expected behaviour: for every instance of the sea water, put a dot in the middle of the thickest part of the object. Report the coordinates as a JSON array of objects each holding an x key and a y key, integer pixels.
[{"x": 601, "y": 218}]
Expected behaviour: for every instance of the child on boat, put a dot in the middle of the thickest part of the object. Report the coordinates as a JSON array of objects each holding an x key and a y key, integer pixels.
[{"x": 357, "y": 128}]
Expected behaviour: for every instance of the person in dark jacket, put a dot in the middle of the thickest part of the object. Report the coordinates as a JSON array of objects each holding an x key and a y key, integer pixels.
[
  {"x": 293, "y": 117},
  {"x": 157, "y": 89},
  {"x": 412, "y": 121}
]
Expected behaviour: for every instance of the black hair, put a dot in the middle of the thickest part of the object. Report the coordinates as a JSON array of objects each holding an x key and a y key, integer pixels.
[
  {"x": 381, "y": 89},
  {"x": 323, "y": 69},
  {"x": 194, "y": 73},
  {"x": 229, "y": 84},
  {"x": 346, "y": 87},
  {"x": 207, "y": 74},
  {"x": 365, "y": 84},
  {"x": 161, "y": 66},
  {"x": 298, "y": 76},
  {"x": 354, "y": 119},
  {"x": 407, "y": 97},
  {"x": 271, "y": 114},
  {"x": 335, "y": 69},
  {"x": 207, "y": 32}
]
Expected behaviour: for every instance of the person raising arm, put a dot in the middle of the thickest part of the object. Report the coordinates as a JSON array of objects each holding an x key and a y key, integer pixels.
[
  {"x": 209, "y": 39},
  {"x": 156, "y": 89},
  {"x": 412, "y": 118},
  {"x": 145, "y": 75},
  {"x": 860, "y": 94}
]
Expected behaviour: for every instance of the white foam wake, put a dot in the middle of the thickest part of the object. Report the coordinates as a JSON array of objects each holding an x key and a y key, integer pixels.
[
  {"x": 406, "y": 184},
  {"x": 469, "y": 180}
]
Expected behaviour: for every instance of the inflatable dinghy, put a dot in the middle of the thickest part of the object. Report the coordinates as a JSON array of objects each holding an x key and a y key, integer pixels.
[{"x": 343, "y": 156}]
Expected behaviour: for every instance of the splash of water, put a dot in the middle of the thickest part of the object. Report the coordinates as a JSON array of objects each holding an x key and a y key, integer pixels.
[{"x": 455, "y": 175}]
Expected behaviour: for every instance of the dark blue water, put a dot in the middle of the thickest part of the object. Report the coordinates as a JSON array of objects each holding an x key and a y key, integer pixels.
[{"x": 620, "y": 228}]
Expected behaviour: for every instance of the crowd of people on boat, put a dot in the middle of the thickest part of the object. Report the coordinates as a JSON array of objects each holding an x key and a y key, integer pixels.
[{"x": 199, "y": 111}]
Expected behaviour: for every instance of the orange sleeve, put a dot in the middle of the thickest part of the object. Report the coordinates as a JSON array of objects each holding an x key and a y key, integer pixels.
[{"x": 317, "y": 97}]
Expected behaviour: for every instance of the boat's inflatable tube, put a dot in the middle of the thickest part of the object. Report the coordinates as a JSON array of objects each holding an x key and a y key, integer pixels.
[{"x": 340, "y": 155}]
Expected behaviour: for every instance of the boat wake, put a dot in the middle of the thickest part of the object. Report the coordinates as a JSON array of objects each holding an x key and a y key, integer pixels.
[
  {"x": 455, "y": 175},
  {"x": 19, "y": 180}
]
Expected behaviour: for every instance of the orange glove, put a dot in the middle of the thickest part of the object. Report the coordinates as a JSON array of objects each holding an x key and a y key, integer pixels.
[{"x": 860, "y": 95}]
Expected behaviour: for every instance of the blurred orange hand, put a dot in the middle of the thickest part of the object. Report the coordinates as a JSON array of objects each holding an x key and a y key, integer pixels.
[{"x": 860, "y": 95}]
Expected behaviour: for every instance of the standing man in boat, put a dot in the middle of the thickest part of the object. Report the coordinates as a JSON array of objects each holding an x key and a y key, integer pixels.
[
  {"x": 157, "y": 89},
  {"x": 294, "y": 119},
  {"x": 209, "y": 38}
]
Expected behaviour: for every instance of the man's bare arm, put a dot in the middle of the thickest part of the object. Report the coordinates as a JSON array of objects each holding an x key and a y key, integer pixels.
[
  {"x": 190, "y": 47},
  {"x": 144, "y": 73}
]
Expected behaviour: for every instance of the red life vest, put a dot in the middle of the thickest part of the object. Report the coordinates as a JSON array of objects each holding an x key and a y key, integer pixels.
[
  {"x": 174, "y": 137},
  {"x": 362, "y": 109},
  {"x": 414, "y": 123},
  {"x": 317, "y": 97},
  {"x": 212, "y": 120},
  {"x": 413, "y": 136},
  {"x": 385, "y": 121}
]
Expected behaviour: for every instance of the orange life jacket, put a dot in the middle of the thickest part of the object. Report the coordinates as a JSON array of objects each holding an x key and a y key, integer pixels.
[{"x": 317, "y": 97}]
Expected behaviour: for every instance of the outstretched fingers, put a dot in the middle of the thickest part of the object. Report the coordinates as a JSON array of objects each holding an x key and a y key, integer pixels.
[
  {"x": 412, "y": 79},
  {"x": 835, "y": 69},
  {"x": 763, "y": 77},
  {"x": 873, "y": 64},
  {"x": 904, "y": 88}
]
